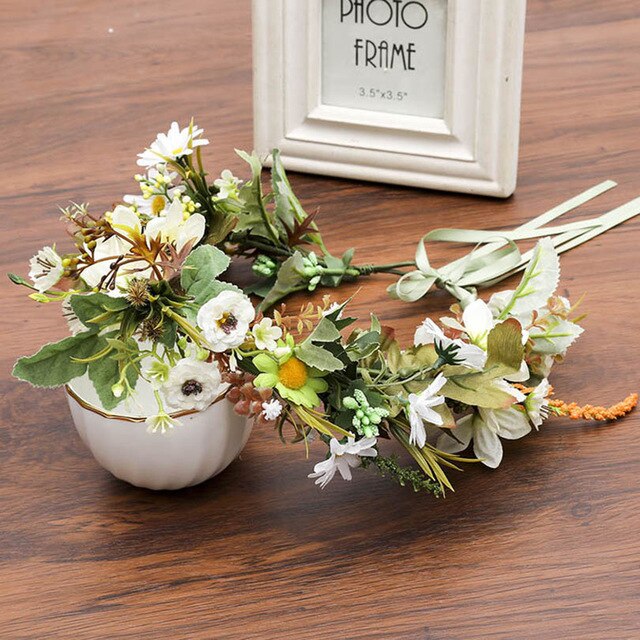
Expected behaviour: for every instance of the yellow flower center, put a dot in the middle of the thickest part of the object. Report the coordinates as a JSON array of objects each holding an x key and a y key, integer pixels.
[
  {"x": 157, "y": 205},
  {"x": 293, "y": 373}
]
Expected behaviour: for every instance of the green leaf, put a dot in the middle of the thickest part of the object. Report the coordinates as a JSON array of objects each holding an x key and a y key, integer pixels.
[
  {"x": 318, "y": 358},
  {"x": 364, "y": 344},
  {"x": 254, "y": 218},
  {"x": 202, "y": 266},
  {"x": 555, "y": 337},
  {"x": 538, "y": 283},
  {"x": 476, "y": 389},
  {"x": 199, "y": 274},
  {"x": 288, "y": 281},
  {"x": 325, "y": 331},
  {"x": 105, "y": 372},
  {"x": 53, "y": 366},
  {"x": 504, "y": 348},
  {"x": 97, "y": 309},
  {"x": 287, "y": 206}
]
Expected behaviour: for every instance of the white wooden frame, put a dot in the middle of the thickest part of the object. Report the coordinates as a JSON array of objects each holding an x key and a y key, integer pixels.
[{"x": 473, "y": 148}]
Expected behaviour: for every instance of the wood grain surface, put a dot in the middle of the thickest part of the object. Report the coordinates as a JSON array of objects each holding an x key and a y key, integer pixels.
[{"x": 545, "y": 547}]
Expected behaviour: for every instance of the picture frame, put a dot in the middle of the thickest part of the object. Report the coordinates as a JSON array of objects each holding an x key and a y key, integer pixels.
[{"x": 318, "y": 62}]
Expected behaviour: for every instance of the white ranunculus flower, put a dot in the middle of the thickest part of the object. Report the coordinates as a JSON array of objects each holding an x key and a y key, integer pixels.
[
  {"x": 45, "y": 269},
  {"x": 420, "y": 410},
  {"x": 485, "y": 429},
  {"x": 537, "y": 403},
  {"x": 172, "y": 226},
  {"x": 266, "y": 335},
  {"x": 343, "y": 458},
  {"x": 468, "y": 355},
  {"x": 225, "y": 320},
  {"x": 272, "y": 409},
  {"x": 192, "y": 384},
  {"x": 172, "y": 145}
]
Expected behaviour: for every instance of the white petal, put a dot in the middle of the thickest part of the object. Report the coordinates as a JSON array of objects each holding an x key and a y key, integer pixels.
[
  {"x": 436, "y": 385},
  {"x": 191, "y": 231},
  {"x": 486, "y": 445},
  {"x": 512, "y": 423},
  {"x": 458, "y": 439},
  {"x": 418, "y": 435},
  {"x": 125, "y": 221},
  {"x": 478, "y": 321},
  {"x": 427, "y": 332}
]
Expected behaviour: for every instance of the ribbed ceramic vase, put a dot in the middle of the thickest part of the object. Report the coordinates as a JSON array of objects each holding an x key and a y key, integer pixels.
[{"x": 204, "y": 444}]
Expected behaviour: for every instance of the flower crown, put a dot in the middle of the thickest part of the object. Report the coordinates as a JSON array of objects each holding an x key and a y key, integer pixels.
[{"x": 143, "y": 299}]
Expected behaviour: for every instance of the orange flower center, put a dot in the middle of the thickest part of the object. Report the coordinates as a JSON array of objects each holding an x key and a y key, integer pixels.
[
  {"x": 157, "y": 205},
  {"x": 293, "y": 373}
]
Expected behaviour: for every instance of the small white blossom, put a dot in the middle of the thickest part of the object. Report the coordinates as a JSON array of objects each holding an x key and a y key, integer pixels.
[
  {"x": 266, "y": 335},
  {"x": 537, "y": 403},
  {"x": 343, "y": 458},
  {"x": 271, "y": 410},
  {"x": 172, "y": 145},
  {"x": 420, "y": 410},
  {"x": 45, "y": 269},
  {"x": 192, "y": 384},
  {"x": 161, "y": 422},
  {"x": 227, "y": 185},
  {"x": 468, "y": 355},
  {"x": 225, "y": 320},
  {"x": 176, "y": 226}
]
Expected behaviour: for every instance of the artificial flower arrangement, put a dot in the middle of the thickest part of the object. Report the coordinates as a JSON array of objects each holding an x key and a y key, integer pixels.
[{"x": 144, "y": 302}]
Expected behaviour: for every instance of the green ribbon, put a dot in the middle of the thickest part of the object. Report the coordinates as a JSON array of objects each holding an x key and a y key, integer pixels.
[{"x": 496, "y": 255}]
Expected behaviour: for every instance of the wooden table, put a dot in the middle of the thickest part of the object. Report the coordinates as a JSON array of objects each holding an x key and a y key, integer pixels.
[{"x": 545, "y": 547}]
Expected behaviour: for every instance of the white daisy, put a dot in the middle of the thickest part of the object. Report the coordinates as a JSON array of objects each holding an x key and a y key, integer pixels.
[
  {"x": 420, "y": 411},
  {"x": 45, "y": 269},
  {"x": 192, "y": 384},
  {"x": 172, "y": 145},
  {"x": 225, "y": 320},
  {"x": 343, "y": 458}
]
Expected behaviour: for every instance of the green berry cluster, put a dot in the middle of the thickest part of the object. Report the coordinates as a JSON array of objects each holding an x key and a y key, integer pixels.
[
  {"x": 366, "y": 418},
  {"x": 312, "y": 269},
  {"x": 264, "y": 266}
]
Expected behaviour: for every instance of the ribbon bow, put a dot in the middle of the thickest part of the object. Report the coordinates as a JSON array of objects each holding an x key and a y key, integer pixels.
[{"x": 496, "y": 255}]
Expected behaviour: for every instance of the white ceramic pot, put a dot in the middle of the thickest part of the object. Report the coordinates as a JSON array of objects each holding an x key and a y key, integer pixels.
[{"x": 202, "y": 446}]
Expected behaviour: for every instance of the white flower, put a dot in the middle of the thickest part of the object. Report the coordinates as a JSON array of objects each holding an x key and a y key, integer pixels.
[
  {"x": 171, "y": 145},
  {"x": 468, "y": 355},
  {"x": 271, "y": 410},
  {"x": 486, "y": 428},
  {"x": 176, "y": 227},
  {"x": 343, "y": 458},
  {"x": 266, "y": 335},
  {"x": 420, "y": 410},
  {"x": 192, "y": 384},
  {"x": 161, "y": 422},
  {"x": 45, "y": 269},
  {"x": 107, "y": 250},
  {"x": 537, "y": 403},
  {"x": 227, "y": 185},
  {"x": 225, "y": 320}
]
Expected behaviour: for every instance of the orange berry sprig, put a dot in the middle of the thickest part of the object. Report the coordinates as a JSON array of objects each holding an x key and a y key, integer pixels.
[{"x": 574, "y": 411}]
